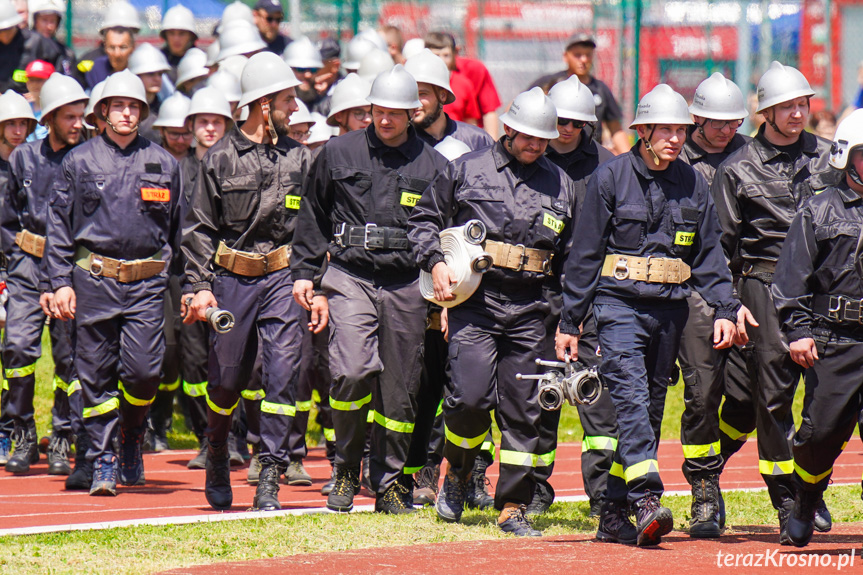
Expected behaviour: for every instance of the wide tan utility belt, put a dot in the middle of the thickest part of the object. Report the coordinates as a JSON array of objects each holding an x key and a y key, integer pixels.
[
  {"x": 30, "y": 243},
  {"x": 124, "y": 271},
  {"x": 250, "y": 264},
  {"x": 650, "y": 269},
  {"x": 519, "y": 258}
]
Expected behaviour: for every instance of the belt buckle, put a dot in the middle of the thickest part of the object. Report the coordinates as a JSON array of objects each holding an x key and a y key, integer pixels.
[
  {"x": 834, "y": 309},
  {"x": 546, "y": 265},
  {"x": 339, "y": 235},
  {"x": 366, "y": 230},
  {"x": 621, "y": 269},
  {"x": 523, "y": 257},
  {"x": 859, "y": 318},
  {"x": 96, "y": 265}
]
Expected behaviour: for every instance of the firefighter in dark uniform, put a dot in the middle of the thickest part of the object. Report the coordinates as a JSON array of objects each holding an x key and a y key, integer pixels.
[
  {"x": 647, "y": 226},
  {"x": 433, "y": 125},
  {"x": 23, "y": 220},
  {"x": 579, "y": 155},
  {"x": 120, "y": 17},
  {"x": 178, "y": 32},
  {"x": 758, "y": 190},
  {"x": 357, "y": 201},
  {"x": 111, "y": 279},
  {"x": 718, "y": 109},
  {"x": 499, "y": 330},
  {"x": 16, "y": 124},
  {"x": 818, "y": 292},
  {"x": 236, "y": 238}
]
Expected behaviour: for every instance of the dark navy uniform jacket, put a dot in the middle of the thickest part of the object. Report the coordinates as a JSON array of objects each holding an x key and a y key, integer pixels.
[
  {"x": 632, "y": 210},
  {"x": 475, "y": 138},
  {"x": 532, "y": 205},
  {"x": 580, "y": 163},
  {"x": 247, "y": 195},
  {"x": 356, "y": 180},
  {"x": 112, "y": 201},
  {"x": 821, "y": 256},
  {"x": 704, "y": 163}
]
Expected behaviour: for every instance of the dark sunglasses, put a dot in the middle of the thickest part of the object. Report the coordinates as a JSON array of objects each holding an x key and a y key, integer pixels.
[
  {"x": 577, "y": 124},
  {"x": 307, "y": 70},
  {"x": 275, "y": 19}
]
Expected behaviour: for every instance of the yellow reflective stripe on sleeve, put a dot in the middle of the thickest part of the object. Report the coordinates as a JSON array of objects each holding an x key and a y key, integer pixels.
[
  {"x": 132, "y": 399},
  {"x": 463, "y": 442},
  {"x": 278, "y": 408},
  {"x": 20, "y": 371},
  {"x": 58, "y": 383},
  {"x": 693, "y": 451},
  {"x": 329, "y": 434},
  {"x": 222, "y": 411},
  {"x": 808, "y": 477},
  {"x": 775, "y": 467},
  {"x": 19, "y": 76},
  {"x": 598, "y": 443},
  {"x": 73, "y": 387},
  {"x": 616, "y": 470},
  {"x": 411, "y": 470},
  {"x": 509, "y": 457},
  {"x": 350, "y": 405},
  {"x": 304, "y": 405},
  {"x": 102, "y": 408},
  {"x": 169, "y": 386},
  {"x": 195, "y": 389},
  {"x": 731, "y": 432},
  {"x": 439, "y": 411},
  {"x": 253, "y": 394},
  {"x": 392, "y": 424}
]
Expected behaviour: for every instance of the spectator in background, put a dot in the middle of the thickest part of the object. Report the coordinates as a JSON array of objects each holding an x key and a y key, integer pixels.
[
  {"x": 119, "y": 43},
  {"x": 178, "y": 32},
  {"x": 269, "y": 14},
  {"x": 119, "y": 16},
  {"x": 18, "y": 47},
  {"x": 395, "y": 42},
  {"x": 823, "y": 123},
  {"x": 329, "y": 75},
  {"x": 37, "y": 72},
  {"x": 47, "y": 15},
  {"x": 578, "y": 57},
  {"x": 22, "y": 8},
  {"x": 466, "y": 105},
  {"x": 488, "y": 99}
]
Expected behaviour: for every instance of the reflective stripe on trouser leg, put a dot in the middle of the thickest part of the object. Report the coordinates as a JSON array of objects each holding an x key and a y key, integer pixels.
[
  {"x": 777, "y": 379},
  {"x": 737, "y": 414}
]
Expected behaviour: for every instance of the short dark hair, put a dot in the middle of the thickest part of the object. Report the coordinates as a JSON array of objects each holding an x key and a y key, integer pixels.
[{"x": 439, "y": 41}]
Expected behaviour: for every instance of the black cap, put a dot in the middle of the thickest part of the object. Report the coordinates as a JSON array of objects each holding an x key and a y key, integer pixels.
[
  {"x": 270, "y": 6},
  {"x": 330, "y": 48},
  {"x": 581, "y": 38}
]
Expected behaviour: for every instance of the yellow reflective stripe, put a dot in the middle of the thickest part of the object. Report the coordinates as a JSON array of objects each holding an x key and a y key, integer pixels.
[
  {"x": 693, "y": 451},
  {"x": 844, "y": 445},
  {"x": 20, "y": 371},
  {"x": 350, "y": 405},
  {"x": 411, "y": 470},
  {"x": 775, "y": 467},
  {"x": 19, "y": 76},
  {"x": 132, "y": 399},
  {"x": 526, "y": 459},
  {"x": 463, "y": 442},
  {"x": 731, "y": 432},
  {"x": 278, "y": 408},
  {"x": 808, "y": 477},
  {"x": 489, "y": 447},
  {"x": 195, "y": 389},
  {"x": 253, "y": 394},
  {"x": 640, "y": 469},
  {"x": 392, "y": 424},
  {"x": 439, "y": 411},
  {"x": 102, "y": 408},
  {"x": 316, "y": 397},
  {"x": 5, "y": 383},
  {"x": 598, "y": 443},
  {"x": 58, "y": 383},
  {"x": 73, "y": 387},
  {"x": 329, "y": 434},
  {"x": 220, "y": 410},
  {"x": 304, "y": 405},
  {"x": 169, "y": 386},
  {"x": 616, "y": 470},
  {"x": 370, "y": 416}
]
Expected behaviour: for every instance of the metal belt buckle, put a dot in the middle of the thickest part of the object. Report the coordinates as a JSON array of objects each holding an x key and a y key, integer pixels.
[
  {"x": 546, "y": 265},
  {"x": 523, "y": 257},
  {"x": 857, "y": 305},
  {"x": 835, "y": 308},
  {"x": 96, "y": 265},
  {"x": 339, "y": 235},
  {"x": 366, "y": 229},
  {"x": 621, "y": 269}
]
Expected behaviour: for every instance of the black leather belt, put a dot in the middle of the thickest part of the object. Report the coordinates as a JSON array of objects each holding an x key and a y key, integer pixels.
[
  {"x": 371, "y": 237},
  {"x": 761, "y": 270},
  {"x": 838, "y": 308}
]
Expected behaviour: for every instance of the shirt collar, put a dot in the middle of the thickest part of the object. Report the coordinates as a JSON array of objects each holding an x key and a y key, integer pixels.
[
  {"x": 243, "y": 143},
  {"x": 408, "y": 149},
  {"x": 848, "y": 195},
  {"x": 136, "y": 143},
  {"x": 671, "y": 173},
  {"x": 503, "y": 158},
  {"x": 809, "y": 144}
]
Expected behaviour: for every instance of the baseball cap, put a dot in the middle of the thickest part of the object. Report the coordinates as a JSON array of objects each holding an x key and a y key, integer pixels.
[
  {"x": 39, "y": 69},
  {"x": 330, "y": 48},
  {"x": 270, "y": 6},
  {"x": 581, "y": 38}
]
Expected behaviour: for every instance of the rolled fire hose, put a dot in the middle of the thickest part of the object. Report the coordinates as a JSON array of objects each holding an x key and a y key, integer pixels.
[{"x": 465, "y": 256}]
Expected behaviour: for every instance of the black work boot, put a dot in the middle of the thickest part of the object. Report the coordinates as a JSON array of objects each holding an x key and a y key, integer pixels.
[
  {"x": 426, "y": 483},
  {"x": 131, "y": 456},
  {"x": 614, "y": 524},
  {"x": 652, "y": 520},
  {"x": 327, "y": 487},
  {"x": 784, "y": 512},
  {"x": 595, "y": 507},
  {"x": 823, "y": 520},
  {"x": 451, "y": 498},
  {"x": 58, "y": 455},
  {"x": 477, "y": 491},
  {"x": 801, "y": 521},
  {"x": 82, "y": 475},
  {"x": 514, "y": 520},
  {"x": 705, "y": 507},
  {"x": 394, "y": 500},
  {"x": 234, "y": 451},
  {"x": 267, "y": 493},
  {"x": 365, "y": 475},
  {"x": 26, "y": 451},
  {"x": 721, "y": 505},
  {"x": 217, "y": 487},
  {"x": 543, "y": 497},
  {"x": 346, "y": 487}
]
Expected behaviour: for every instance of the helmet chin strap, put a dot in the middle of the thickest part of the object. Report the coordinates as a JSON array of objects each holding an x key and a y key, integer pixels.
[
  {"x": 704, "y": 135},
  {"x": 268, "y": 119},
  {"x": 649, "y": 147},
  {"x": 107, "y": 121},
  {"x": 772, "y": 122},
  {"x": 852, "y": 171}
]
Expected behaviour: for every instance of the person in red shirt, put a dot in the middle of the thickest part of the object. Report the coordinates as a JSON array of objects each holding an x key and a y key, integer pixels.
[{"x": 487, "y": 96}]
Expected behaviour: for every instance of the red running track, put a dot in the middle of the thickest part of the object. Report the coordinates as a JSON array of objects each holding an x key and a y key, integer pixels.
[{"x": 174, "y": 494}]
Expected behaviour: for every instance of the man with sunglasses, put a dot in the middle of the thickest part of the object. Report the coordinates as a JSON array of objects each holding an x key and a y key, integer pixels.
[
  {"x": 269, "y": 14},
  {"x": 758, "y": 190}
]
